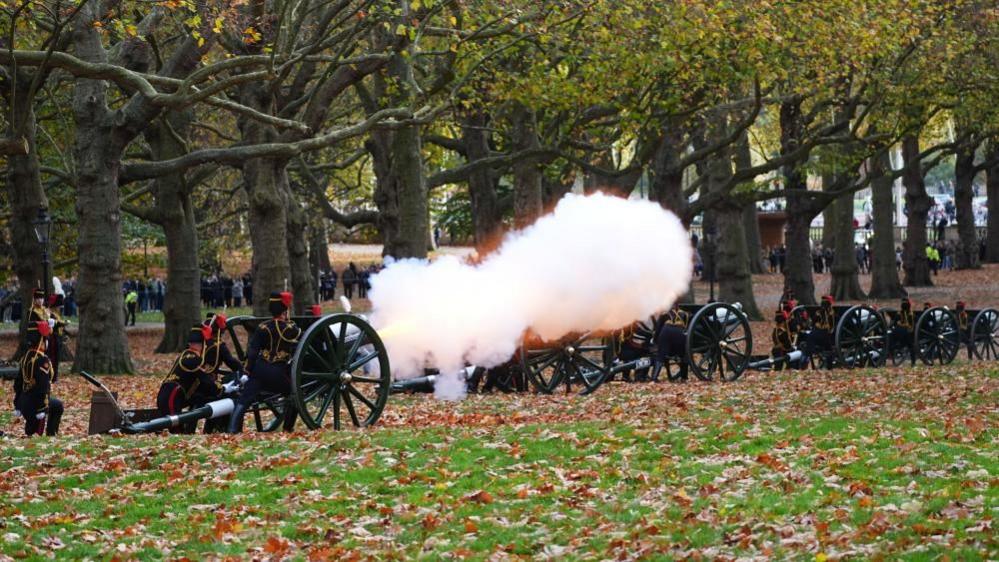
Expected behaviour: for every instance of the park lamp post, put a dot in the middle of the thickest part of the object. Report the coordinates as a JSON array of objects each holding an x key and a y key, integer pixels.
[{"x": 43, "y": 228}]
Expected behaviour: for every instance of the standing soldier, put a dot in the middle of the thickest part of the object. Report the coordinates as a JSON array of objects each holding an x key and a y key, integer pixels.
[
  {"x": 188, "y": 383},
  {"x": 268, "y": 362},
  {"x": 32, "y": 386},
  {"x": 901, "y": 332},
  {"x": 671, "y": 341},
  {"x": 38, "y": 312},
  {"x": 782, "y": 342},
  {"x": 216, "y": 354}
]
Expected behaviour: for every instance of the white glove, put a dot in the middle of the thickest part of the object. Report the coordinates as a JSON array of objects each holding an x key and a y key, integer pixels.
[
  {"x": 230, "y": 387},
  {"x": 40, "y": 416},
  {"x": 243, "y": 379},
  {"x": 51, "y": 322},
  {"x": 17, "y": 414}
]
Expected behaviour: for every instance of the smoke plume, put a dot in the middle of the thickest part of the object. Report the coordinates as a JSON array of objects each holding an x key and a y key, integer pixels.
[{"x": 596, "y": 263}]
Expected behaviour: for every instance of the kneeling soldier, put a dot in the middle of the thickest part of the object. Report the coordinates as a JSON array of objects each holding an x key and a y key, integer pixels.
[
  {"x": 671, "y": 341},
  {"x": 216, "y": 354},
  {"x": 188, "y": 383},
  {"x": 268, "y": 362},
  {"x": 782, "y": 343},
  {"x": 33, "y": 385},
  {"x": 820, "y": 337}
]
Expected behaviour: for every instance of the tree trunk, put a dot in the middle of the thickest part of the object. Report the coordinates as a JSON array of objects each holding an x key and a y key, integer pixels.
[
  {"x": 174, "y": 213},
  {"x": 964, "y": 179},
  {"x": 992, "y": 191},
  {"x": 101, "y": 346},
  {"x": 731, "y": 262},
  {"x": 750, "y": 218},
  {"x": 918, "y": 203},
  {"x": 798, "y": 266},
  {"x": 298, "y": 256},
  {"x": 26, "y": 197},
  {"x": 528, "y": 203},
  {"x": 828, "y": 227},
  {"x": 401, "y": 191},
  {"x": 486, "y": 216},
  {"x": 666, "y": 177},
  {"x": 884, "y": 275},
  {"x": 319, "y": 253},
  {"x": 845, "y": 273},
  {"x": 265, "y": 181}
]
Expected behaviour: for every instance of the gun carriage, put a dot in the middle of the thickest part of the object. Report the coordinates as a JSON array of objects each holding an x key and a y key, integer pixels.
[
  {"x": 340, "y": 375},
  {"x": 718, "y": 344}
]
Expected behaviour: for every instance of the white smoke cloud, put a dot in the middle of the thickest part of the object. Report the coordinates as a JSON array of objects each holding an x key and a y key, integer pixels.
[{"x": 596, "y": 263}]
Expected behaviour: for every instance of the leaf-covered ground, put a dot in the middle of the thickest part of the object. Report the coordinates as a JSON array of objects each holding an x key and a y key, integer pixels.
[{"x": 819, "y": 466}]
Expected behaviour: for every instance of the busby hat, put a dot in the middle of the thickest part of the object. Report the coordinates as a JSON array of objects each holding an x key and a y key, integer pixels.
[
  {"x": 960, "y": 305},
  {"x": 828, "y": 299},
  {"x": 38, "y": 294},
  {"x": 199, "y": 334},
  {"x": 279, "y": 302}
]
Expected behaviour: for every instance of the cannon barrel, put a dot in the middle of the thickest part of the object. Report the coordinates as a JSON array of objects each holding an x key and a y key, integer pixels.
[
  {"x": 768, "y": 363},
  {"x": 211, "y": 410},
  {"x": 416, "y": 384},
  {"x": 8, "y": 373}
]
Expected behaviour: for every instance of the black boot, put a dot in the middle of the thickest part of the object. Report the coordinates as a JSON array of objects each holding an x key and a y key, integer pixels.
[
  {"x": 290, "y": 415},
  {"x": 236, "y": 421},
  {"x": 657, "y": 368}
]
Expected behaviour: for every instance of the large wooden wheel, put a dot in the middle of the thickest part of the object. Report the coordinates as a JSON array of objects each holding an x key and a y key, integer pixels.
[
  {"x": 719, "y": 342},
  {"x": 579, "y": 361},
  {"x": 937, "y": 336},
  {"x": 340, "y": 371},
  {"x": 861, "y": 338},
  {"x": 984, "y": 338}
]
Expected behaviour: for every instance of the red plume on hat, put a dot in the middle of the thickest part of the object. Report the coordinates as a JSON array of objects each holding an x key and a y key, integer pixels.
[
  {"x": 206, "y": 332},
  {"x": 53, "y": 299},
  {"x": 960, "y": 304},
  {"x": 219, "y": 321},
  {"x": 316, "y": 310},
  {"x": 286, "y": 298}
]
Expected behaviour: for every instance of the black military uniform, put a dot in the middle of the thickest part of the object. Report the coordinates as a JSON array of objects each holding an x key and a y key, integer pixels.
[
  {"x": 902, "y": 330},
  {"x": 820, "y": 336},
  {"x": 635, "y": 342},
  {"x": 32, "y": 387},
  {"x": 268, "y": 362},
  {"x": 216, "y": 353},
  {"x": 782, "y": 342},
  {"x": 671, "y": 341},
  {"x": 188, "y": 383}
]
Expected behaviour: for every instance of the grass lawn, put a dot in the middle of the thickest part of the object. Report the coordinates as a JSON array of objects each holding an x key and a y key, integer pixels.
[{"x": 895, "y": 463}]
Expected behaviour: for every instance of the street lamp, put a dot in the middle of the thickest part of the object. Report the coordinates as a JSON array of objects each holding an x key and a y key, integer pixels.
[{"x": 43, "y": 228}]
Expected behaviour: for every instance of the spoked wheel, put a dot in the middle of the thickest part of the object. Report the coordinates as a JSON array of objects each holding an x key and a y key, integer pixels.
[
  {"x": 861, "y": 338},
  {"x": 719, "y": 342},
  {"x": 899, "y": 354},
  {"x": 985, "y": 334},
  {"x": 578, "y": 361},
  {"x": 268, "y": 413},
  {"x": 340, "y": 371},
  {"x": 937, "y": 336}
]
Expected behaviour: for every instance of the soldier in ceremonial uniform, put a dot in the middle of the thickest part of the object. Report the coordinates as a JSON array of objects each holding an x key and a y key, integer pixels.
[
  {"x": 963, "y": 322},
  {"x": 635, "y": 342},
  {"x": 671, "y": 341},
  {"x": 215, "y": 355},
  {"x": 38, "y": 312},
  {"x": 782, "y": 341},
  {"x": 42, "y": 412},
  {"x": 188, "y": 383},
  {"x": 268, "y": 362},
  {"x": 902, "y": 330},
  {"x": 820, "y": 337}
]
